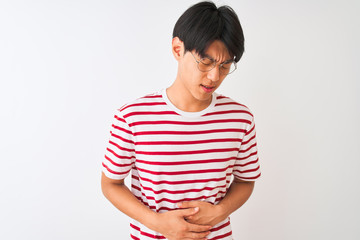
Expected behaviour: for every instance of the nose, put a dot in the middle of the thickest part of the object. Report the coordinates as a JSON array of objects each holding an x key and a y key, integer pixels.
[{"x": 214, "y": 74}]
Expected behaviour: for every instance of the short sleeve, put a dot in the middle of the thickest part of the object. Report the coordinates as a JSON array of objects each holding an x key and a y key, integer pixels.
[
  {"x": 120, "y": 153},
  {"x": 247, "y": 166}
]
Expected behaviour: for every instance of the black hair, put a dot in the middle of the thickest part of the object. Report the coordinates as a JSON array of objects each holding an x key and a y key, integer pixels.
[{"x": 203, "y": 23}]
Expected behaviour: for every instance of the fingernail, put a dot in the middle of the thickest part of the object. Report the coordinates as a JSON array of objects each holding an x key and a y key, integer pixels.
[
  {"x": 197, "y": 208},
  {"x": 178, "y": 204}
]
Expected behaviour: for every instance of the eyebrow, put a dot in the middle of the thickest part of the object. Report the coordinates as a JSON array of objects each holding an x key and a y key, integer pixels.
[{"x": 209, "y": 57}]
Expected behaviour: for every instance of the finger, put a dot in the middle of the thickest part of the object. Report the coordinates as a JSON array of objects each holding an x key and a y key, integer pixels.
[
  {"x": 194, "y": 238},
  {"x": 197, "y": 235},
  {"x": 188, "y": 204},
  {"x": 199, "y": 228},
  {"x": 184, "y": 205},
  {"x": 188, "y": 212}
]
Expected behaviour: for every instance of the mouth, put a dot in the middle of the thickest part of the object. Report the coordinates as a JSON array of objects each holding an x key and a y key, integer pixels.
[{"x": 207, "y": 88}]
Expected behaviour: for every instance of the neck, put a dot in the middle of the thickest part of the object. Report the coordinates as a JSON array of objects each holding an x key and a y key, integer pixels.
[{"x": 184, "y": 100}]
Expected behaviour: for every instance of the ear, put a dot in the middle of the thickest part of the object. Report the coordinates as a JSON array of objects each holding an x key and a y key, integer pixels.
[{"x": 177, "y": 47}]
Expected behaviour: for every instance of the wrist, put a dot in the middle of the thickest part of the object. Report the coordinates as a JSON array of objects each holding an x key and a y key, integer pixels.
[
  {"x": 222, "y": 211},
  {"x": 152, "y": 221}
]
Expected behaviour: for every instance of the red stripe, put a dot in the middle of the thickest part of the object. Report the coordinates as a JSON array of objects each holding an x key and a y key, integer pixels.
[
  {"x": 144, "y": 104},
  {"x": 221, "y": 197},
  {"x": 186, "y": 172},
  {"x": 248, "y": 163},
  {"x": 122, "y": 139},
  {"x": 149, "y": 206},
  {"x": 119, "y": 156},
  {"x": 250, "y": 155},
  {"x": 250, "y": 131},
  {"x": 122, "y": 129},
  {"x": 180, "y": 191},
  {"x": 189, "y": 123},
  {"x": 188, "y": 152},
  {"x": 185, "y": 162},
  {"x": 120, "y": 119},
  {"x": 135, "y": 187},
  {"x": 220, "y": 227},
  {"x": 145, "y": 233},
  {"x": 152, "y": 96},
  {"x": 229, "y": 103},
  {"x": 227, "y": 112},
  {"x": 241, "y": 177},
  {"x": 113, "y": 172},
  {"x": 117, "y": 164},
  {"x": 166, "y": 208},
  {"x": 157, "y": 209},
  {"x": 247, "y": 171},
  {"x": 221, "y": 236},
  {"x": 133, "y": 237},
  {"x": 245, "y": 150},
  {"x": 222, "y": 97},
  {"x": 189, "y": 142},
  {"x": 189, "y": 132},
  {"x": 121, "y": 148},
  {"x": 246, "y": 142},
  {"x": 150, "y": 113},
  {"x": 135, "y": 227},
  {"x": 207, "y": 180},
  {"x": 153, "y": 207},
  {"x": 157, "y": 201}
]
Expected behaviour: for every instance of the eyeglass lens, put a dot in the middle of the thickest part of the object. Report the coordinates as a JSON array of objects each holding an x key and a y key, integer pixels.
[{"x": 206, "y": 64}]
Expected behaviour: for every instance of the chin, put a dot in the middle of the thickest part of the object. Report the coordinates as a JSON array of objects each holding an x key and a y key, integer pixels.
[
  {"x": 200, "y": 95},
  {"x": 204, "y": 96}
]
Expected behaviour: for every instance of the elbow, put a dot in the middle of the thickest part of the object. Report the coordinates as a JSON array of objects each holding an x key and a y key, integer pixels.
[{"x": 108, "y": 184}]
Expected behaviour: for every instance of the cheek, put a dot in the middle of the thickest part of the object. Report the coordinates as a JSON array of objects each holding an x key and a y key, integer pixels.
[
  {"x": 221, "y": 80},
  {"x": 194, "y": 76}
]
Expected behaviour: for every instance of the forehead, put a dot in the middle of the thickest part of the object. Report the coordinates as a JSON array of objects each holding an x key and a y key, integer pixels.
[{"x": 218, "y": 51}]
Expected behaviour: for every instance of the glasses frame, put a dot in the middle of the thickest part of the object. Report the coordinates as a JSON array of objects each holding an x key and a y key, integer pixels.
[{"x": 214, "y": 65}]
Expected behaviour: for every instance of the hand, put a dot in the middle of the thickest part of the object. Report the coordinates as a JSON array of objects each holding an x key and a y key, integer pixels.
[
  {"x": 208, "y": 213},
  {"x": 173, "y": 226}
]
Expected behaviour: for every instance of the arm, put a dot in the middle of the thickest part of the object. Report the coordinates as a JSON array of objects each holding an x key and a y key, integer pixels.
[
  {"x": 238, "y": 193},
  {"x": 247, "y": 166},
  {"x": 171, "y": 224}
]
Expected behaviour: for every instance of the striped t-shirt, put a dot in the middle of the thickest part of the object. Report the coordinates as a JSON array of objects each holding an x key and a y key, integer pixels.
[{"x": 176, "y": 156}]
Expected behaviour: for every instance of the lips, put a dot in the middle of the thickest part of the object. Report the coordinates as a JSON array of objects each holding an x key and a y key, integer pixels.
[{"x": 207, "y": 88}]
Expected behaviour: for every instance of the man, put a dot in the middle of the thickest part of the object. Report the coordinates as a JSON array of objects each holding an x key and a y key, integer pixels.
[{"x": 183, "y": 145}]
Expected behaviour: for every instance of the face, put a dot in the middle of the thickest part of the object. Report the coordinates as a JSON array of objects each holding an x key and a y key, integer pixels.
[{"x": 196, "y": 85}]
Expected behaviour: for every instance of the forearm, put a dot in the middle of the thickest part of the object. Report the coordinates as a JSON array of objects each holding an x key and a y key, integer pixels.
[
  {"x": 171, "y": 224},
  {"x": 123, "y": 199},
  {"x": 238, "y": 193}
]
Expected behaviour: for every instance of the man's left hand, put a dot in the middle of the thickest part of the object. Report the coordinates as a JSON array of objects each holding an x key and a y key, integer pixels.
[{"x": 208, "y": 213}]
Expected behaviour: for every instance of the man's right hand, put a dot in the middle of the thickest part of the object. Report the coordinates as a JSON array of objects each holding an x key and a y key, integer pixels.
[{"x": 173, "y": 226}]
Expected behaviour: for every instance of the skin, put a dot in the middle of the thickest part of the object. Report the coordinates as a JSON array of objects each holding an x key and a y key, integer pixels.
[
  {"x": 187, "y": 93},
  {"x": 192, "y": 220}
]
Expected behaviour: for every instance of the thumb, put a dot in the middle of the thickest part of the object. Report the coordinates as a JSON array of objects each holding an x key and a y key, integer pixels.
[{"x": 188, "y": 211}]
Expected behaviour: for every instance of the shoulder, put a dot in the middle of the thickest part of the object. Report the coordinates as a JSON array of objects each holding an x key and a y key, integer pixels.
[
  {"x": 226, "y": 103},
  {"x": 145, "y": 101}
]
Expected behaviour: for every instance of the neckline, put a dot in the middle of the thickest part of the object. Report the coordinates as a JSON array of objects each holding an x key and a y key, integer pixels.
[{"x": 188, "y": 114}]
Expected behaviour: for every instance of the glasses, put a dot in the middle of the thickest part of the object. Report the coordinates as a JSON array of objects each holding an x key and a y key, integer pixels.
[{"x": 206, "y": 64}]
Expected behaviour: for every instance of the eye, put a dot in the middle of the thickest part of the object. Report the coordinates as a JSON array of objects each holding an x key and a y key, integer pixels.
[
  {"x": 227, "y": 65},
  {"x": 207, "y": 61}
]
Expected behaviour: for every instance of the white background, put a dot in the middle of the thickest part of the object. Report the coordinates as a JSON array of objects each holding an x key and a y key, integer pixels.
[{"x": 65, "y": 66}]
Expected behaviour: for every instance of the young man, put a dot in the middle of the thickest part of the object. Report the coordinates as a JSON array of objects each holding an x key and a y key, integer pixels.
[{"x": 183, "y": 145}]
